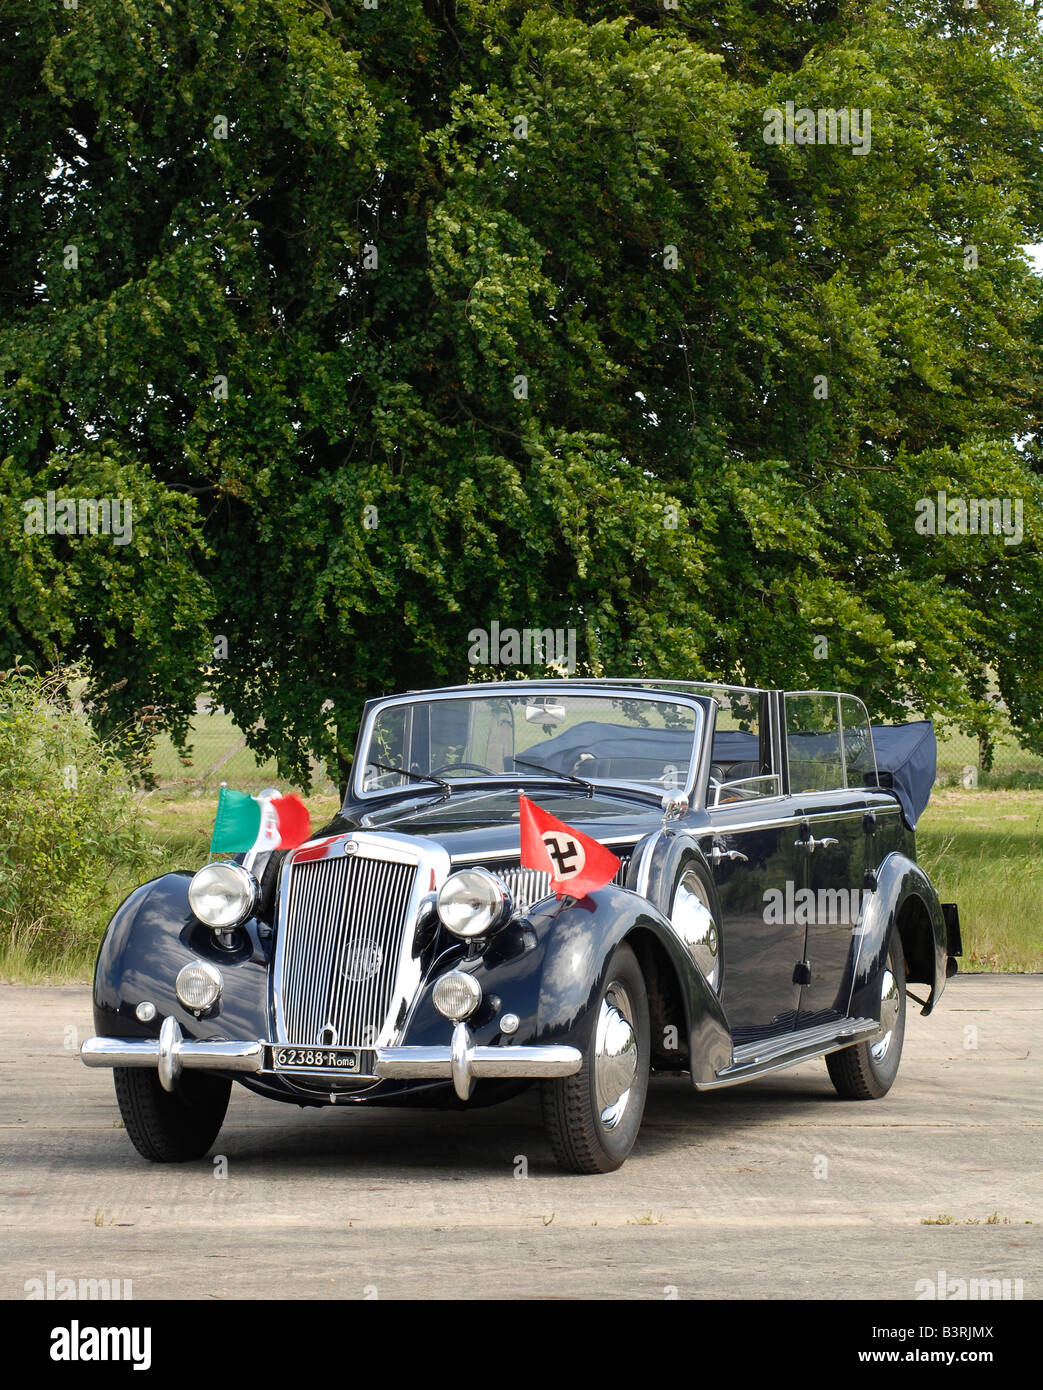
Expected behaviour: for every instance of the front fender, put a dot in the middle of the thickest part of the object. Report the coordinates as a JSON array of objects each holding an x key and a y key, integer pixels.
[
  {"x": 549, "y": 968},
  {"x": 153, "y": 933},
  {"x": 576, "y": 969},
  {"x": 903, "y": 893}
]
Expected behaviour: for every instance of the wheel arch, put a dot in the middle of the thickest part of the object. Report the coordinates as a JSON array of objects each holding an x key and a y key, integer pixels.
[
  {"x": 668, "y": 1012},
  {"x": 905, "y": 903},
  {"x": 579, "y": 940},
  {"x": 916, "y": 931}
]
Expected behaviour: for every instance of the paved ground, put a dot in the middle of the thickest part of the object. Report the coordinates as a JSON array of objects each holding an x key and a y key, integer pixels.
[{"x": 774, "y": 1189}]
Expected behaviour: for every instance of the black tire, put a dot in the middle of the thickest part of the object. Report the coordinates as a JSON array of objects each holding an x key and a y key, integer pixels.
[
  {"x": 582, "y": 1140},
  {"x": 171, "y": 1126},
  {"x": 855, "y": 1071}
]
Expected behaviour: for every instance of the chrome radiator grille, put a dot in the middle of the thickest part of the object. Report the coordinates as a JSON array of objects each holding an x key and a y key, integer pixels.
[
  {"x": 528, "y": 886},
  {"x": 343, "y": 938}
]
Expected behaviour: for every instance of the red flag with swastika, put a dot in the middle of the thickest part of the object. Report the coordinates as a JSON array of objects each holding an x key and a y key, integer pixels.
[{"x": 577, "y": 864}]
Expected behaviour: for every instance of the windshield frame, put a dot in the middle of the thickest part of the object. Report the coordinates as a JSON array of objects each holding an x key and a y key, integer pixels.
[{"x": 702, "y": 707}]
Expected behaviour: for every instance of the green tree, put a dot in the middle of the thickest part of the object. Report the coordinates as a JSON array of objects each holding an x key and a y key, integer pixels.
[{"x": 408, "y": 318}]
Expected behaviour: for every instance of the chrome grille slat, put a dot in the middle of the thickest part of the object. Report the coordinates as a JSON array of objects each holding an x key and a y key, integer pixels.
[
  {"x": 341, "y": 912},
  {"x": 528, "y": 886}
]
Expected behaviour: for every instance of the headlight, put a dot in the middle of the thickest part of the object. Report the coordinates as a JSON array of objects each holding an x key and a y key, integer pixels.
[
  {"x": 223, "y": 895},
  {"x": 473, "y": 902},
  {"x": 198, "y": 985}
]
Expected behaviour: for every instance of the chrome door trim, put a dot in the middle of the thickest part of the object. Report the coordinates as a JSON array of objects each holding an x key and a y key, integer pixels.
[
  {"x": 781, "y": 822},
  {"x": 728, "y": 828}
]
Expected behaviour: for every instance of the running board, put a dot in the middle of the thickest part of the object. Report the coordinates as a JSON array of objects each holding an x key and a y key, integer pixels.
[{"x": 787, "y": 1049}]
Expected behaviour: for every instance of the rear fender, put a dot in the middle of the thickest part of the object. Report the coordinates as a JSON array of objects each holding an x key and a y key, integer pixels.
[{"x": 904, "y": 901}]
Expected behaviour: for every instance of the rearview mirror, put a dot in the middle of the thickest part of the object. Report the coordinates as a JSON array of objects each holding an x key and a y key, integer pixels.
[{"x": 545, "y": 714}]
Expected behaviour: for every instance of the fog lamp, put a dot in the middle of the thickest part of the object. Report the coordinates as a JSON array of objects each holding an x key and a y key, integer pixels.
[
  {"x": 198, "y": 985},
  {"x": 457, "y": 995}
]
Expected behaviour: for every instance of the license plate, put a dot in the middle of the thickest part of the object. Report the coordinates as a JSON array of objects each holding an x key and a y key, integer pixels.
[{"x": 351, "y": 1061}]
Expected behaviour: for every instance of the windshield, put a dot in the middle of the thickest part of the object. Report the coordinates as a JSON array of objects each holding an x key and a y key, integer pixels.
[{"x": 596, "y": 737}]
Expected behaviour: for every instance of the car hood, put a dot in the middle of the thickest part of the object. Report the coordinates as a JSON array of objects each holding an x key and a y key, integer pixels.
[{"x": 485, "y": 824}]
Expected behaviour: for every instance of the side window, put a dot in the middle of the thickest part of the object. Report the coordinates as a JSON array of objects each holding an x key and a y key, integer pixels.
[
  {"x": 859, "y": 756},
  {"x": 738, "y": 771},
  {"x": 814, "y": 743}
]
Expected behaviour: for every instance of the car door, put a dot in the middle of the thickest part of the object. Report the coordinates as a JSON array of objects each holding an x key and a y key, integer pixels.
[
  {"x": 753, "y": 856},
  {"x": 832, "y": 836},
  {"x": 826, "y": 773}
]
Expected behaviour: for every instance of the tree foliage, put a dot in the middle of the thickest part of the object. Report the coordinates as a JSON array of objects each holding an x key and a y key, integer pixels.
[{"x": 398, "y": 320}]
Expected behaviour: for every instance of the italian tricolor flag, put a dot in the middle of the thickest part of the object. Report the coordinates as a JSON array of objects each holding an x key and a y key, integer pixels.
[{"x": 245, "y": 823}]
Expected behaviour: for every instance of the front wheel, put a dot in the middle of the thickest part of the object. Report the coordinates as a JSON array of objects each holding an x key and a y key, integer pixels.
[
  {"x": 867, "y": 1070},
  {"x": 171, "y": 1126},
  {"x": 593, "y": 1118}
]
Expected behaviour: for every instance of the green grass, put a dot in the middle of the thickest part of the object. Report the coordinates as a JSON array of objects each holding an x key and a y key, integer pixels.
[{"x": 983, "y": 850}]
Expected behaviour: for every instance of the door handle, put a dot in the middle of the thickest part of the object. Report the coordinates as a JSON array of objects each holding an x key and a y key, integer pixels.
[
  {"x": 811, "y": 844},
  {"x": 717, "y": 854}
]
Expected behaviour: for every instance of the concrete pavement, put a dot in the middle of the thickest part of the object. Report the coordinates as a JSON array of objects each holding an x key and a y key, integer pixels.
[{"x": 772, "y": 1189}]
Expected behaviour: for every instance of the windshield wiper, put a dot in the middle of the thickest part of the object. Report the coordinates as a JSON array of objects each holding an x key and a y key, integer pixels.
[
  {"x": 447, "y": 790},
  {"x": 554, "y": 772}
]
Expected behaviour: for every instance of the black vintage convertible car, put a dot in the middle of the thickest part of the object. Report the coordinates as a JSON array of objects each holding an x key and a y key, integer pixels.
[{"x": 767, "y": 909}]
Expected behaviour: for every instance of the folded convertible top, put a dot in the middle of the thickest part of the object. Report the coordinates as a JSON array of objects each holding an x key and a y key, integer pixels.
[
  {"x": 907, "y": 760},
  {"x": 906, "y": 754}
]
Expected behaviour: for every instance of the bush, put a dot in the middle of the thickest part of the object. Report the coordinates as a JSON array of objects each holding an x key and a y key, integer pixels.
[{"x": 72, "y": 839}]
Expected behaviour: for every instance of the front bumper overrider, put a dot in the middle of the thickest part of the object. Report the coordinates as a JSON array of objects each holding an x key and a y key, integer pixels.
[{"x": 462, "y": 1062}]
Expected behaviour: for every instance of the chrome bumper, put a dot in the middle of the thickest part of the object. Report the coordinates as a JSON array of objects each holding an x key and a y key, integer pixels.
[
  {"x": 172, "y": 1051},
  {"x": 462, "y": 1062}
]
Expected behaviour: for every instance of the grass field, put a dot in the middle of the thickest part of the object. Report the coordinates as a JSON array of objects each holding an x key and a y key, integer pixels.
[
  {"x": 982, "y": 849},
  {"x": 216, "y": 756}
]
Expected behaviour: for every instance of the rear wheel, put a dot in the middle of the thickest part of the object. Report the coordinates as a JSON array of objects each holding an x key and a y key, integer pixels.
[
  {"x": 171, "y": 1126},
  {"x": 867, "y": 1070},
  {"x": 593, "y": 1118}
]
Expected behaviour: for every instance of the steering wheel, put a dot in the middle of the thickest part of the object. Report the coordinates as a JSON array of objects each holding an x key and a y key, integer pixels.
[{"x": 463, "y": 767}]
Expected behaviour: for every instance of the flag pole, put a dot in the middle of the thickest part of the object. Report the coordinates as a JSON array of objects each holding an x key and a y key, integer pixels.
[{"x": 261, "y": 845}]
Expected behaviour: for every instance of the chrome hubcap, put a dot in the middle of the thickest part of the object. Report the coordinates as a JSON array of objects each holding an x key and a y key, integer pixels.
[
  {"x": 615, "y": 1055},
  {"x": 890, "y": 1006}
]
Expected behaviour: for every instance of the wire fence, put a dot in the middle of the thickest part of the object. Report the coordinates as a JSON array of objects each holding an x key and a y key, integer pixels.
[
  {"x": 965, "y": 761},
  {"x": 218, "y": 753}
]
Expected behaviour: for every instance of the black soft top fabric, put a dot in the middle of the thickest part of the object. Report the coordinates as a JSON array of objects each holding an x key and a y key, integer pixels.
[
  {"x": 906, "y": 754},
  {"x": 907, "y": 760},
  {"x": 607, "y": 740}
]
